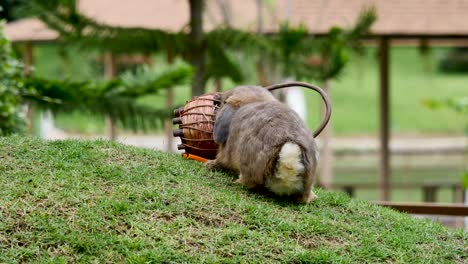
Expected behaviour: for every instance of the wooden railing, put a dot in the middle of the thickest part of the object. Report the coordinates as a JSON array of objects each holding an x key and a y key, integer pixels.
[{"x": 428, "y": 207}]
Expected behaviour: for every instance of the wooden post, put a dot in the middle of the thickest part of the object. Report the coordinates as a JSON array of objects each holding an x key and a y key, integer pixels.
[
  {"x": 259, "y": 16},
  {"x": 168, "y": 122},
  {"x": 110, "y": 71},
  {"x": 198, "y": 52},
  {"x": 111, "y": 127},
  {"x": 384, "y": 113},
  {"x": 457, "y": 193},
  {"x": 28, "y": 59},
  {"x": 349, "y": 190},
  {"x": 169, "y": 105},
  {"x": 327, "y": 152},
  {"x": 430, "y": 193}
]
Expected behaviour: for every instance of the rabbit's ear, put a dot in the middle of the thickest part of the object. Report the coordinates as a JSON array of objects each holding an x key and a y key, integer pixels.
[{"x": 222, "y": 124}]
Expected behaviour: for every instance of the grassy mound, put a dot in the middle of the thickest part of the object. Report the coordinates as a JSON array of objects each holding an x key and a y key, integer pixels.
[{"x": 98, "y": 201}]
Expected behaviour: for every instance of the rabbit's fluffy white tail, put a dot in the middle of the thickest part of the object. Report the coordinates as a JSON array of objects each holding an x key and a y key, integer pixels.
[{"x": 286, "y": 180}]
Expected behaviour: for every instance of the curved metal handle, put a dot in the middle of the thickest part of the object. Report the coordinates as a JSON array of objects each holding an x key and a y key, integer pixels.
[{"x": 324, "y": 96}]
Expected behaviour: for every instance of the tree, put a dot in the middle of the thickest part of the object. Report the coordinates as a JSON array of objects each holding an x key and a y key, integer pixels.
[
  {"x": 115, "y": 98},
  {"x": 7, "y": 7},
  {"x": 197, "y": 57},
  {"x": 206, "y": 51}
]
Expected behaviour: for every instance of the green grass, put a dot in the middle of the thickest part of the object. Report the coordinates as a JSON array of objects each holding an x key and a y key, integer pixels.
[{"x": 98, "y": 201}]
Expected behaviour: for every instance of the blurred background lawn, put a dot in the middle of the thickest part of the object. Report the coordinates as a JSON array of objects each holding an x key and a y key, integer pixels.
[{"x": 414, "y": 78}]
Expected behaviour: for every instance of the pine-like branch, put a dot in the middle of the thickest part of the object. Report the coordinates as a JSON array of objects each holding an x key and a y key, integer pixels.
[
  {"x": 114, "y": 98},
  {"x": 82, "y": 30},
  {"x": 234, "y": 39}
]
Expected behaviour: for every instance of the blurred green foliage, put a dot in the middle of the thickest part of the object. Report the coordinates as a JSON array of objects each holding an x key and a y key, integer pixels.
[
  {"x": 297, "y": 49},
  {"x": 456, "y": 61},
  {"x": 115, "y": 98},
  {"x": 11, "y": 73},
  {"x": 457, "y": 104}
]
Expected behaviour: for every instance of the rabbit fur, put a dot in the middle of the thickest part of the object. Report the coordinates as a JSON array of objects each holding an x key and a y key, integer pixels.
[{"x": 266, "y": 142}]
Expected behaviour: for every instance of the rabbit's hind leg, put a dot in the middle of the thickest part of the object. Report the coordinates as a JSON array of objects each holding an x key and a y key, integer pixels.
[
  {"x": 239, "y": 180},
  {"x": 307, "y": 197},
  {"x": 245, "y": 181},
  {"x": 213, "y": 164}
]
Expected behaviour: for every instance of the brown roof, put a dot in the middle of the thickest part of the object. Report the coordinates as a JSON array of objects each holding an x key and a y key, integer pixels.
[
  {"x": 395, "y": 17},
  {"x": 419, "y": 17},
  {"x": 29, "y": 29},
  {"x": 162, "y": 14}
]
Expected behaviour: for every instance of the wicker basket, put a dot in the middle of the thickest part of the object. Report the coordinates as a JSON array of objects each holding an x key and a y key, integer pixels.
[{"x": 196, "y": 121}]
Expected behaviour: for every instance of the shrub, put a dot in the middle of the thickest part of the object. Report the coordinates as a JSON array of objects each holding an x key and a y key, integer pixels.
[
  {"x": 11, "y": 119},
  {"x": 456, "y": 61}
]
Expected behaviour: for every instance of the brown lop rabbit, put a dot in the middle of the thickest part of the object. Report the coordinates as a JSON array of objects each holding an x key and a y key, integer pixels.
[{"x": 266, "y": 142}]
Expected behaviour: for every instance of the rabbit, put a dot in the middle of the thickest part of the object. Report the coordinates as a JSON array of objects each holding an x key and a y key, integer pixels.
[{"x": 266, "y": 142}]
